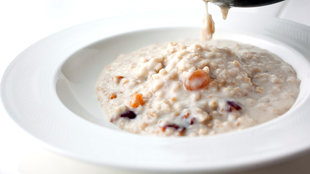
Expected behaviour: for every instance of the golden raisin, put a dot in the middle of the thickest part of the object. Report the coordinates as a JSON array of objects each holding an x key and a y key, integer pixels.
[
  {"x": 197, "y": 80},
  {"x": 136, "y": 100}
]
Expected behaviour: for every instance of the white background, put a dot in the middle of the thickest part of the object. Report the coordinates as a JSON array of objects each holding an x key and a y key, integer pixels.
[{"x": 25, "y": 22}]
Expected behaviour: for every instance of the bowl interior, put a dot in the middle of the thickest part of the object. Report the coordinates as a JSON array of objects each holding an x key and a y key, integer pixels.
[{"x": 80, "y": 71}]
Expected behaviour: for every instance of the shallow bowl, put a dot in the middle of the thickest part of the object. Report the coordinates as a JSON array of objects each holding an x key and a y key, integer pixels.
[{"x": 49, "y": 91}]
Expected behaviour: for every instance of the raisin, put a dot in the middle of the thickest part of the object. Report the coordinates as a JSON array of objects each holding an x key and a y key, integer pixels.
[
  {"x": 232, "y": 105},
  {"x": 192, "y": 121},
  {"x": 181, "y": 129},
  {"x": 129, "y": 115},
  {"x": 172, "y": 126}
]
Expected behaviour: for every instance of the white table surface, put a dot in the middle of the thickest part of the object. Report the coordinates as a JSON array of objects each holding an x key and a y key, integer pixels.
[{"x": 25, "y": 22}]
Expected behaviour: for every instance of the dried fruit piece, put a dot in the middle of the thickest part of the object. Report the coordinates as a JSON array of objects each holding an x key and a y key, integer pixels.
[
  {"x": 136, "y": 100},
  {"x": 192, "y": 121},
  {"x": 117, "y": 79},
  {"x": 181, "y": 129},
  {"x": 129, "y": 115},
  {"x": 199, "y": 79},
  {"x": 232, "y": 105},
  {"x": 186, "y": 116},
  {"x": 112, "y": 120},
  {"x": 188, "y": 120},
  {"x": 175, "y": 126},
  {"x": 113, "y": 96}
]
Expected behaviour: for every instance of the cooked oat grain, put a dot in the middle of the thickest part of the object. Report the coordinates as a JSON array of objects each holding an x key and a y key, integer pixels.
[{"x": 192, "y": 88}]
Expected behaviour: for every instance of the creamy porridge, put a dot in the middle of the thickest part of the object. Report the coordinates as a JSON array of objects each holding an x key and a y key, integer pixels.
[{"x": 192, "y": 88}]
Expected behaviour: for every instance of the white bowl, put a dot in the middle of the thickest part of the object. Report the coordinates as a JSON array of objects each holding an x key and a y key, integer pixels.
[{"x": 49, "y": 90}]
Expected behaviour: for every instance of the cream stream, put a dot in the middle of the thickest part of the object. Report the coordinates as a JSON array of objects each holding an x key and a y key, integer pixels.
[{"x": 208, "y": 28}]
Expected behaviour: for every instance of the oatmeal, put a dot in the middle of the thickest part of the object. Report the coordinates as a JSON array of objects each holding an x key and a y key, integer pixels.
[{"x": 193, "y": 88}]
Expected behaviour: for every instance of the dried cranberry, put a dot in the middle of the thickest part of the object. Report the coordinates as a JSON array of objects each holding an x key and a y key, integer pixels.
[
  {"x": 172, "y": 126},
  {"x": 192, "y": 121},
  {"x": 129, "y": 115},
  {"x": 232, "y": 105}
]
